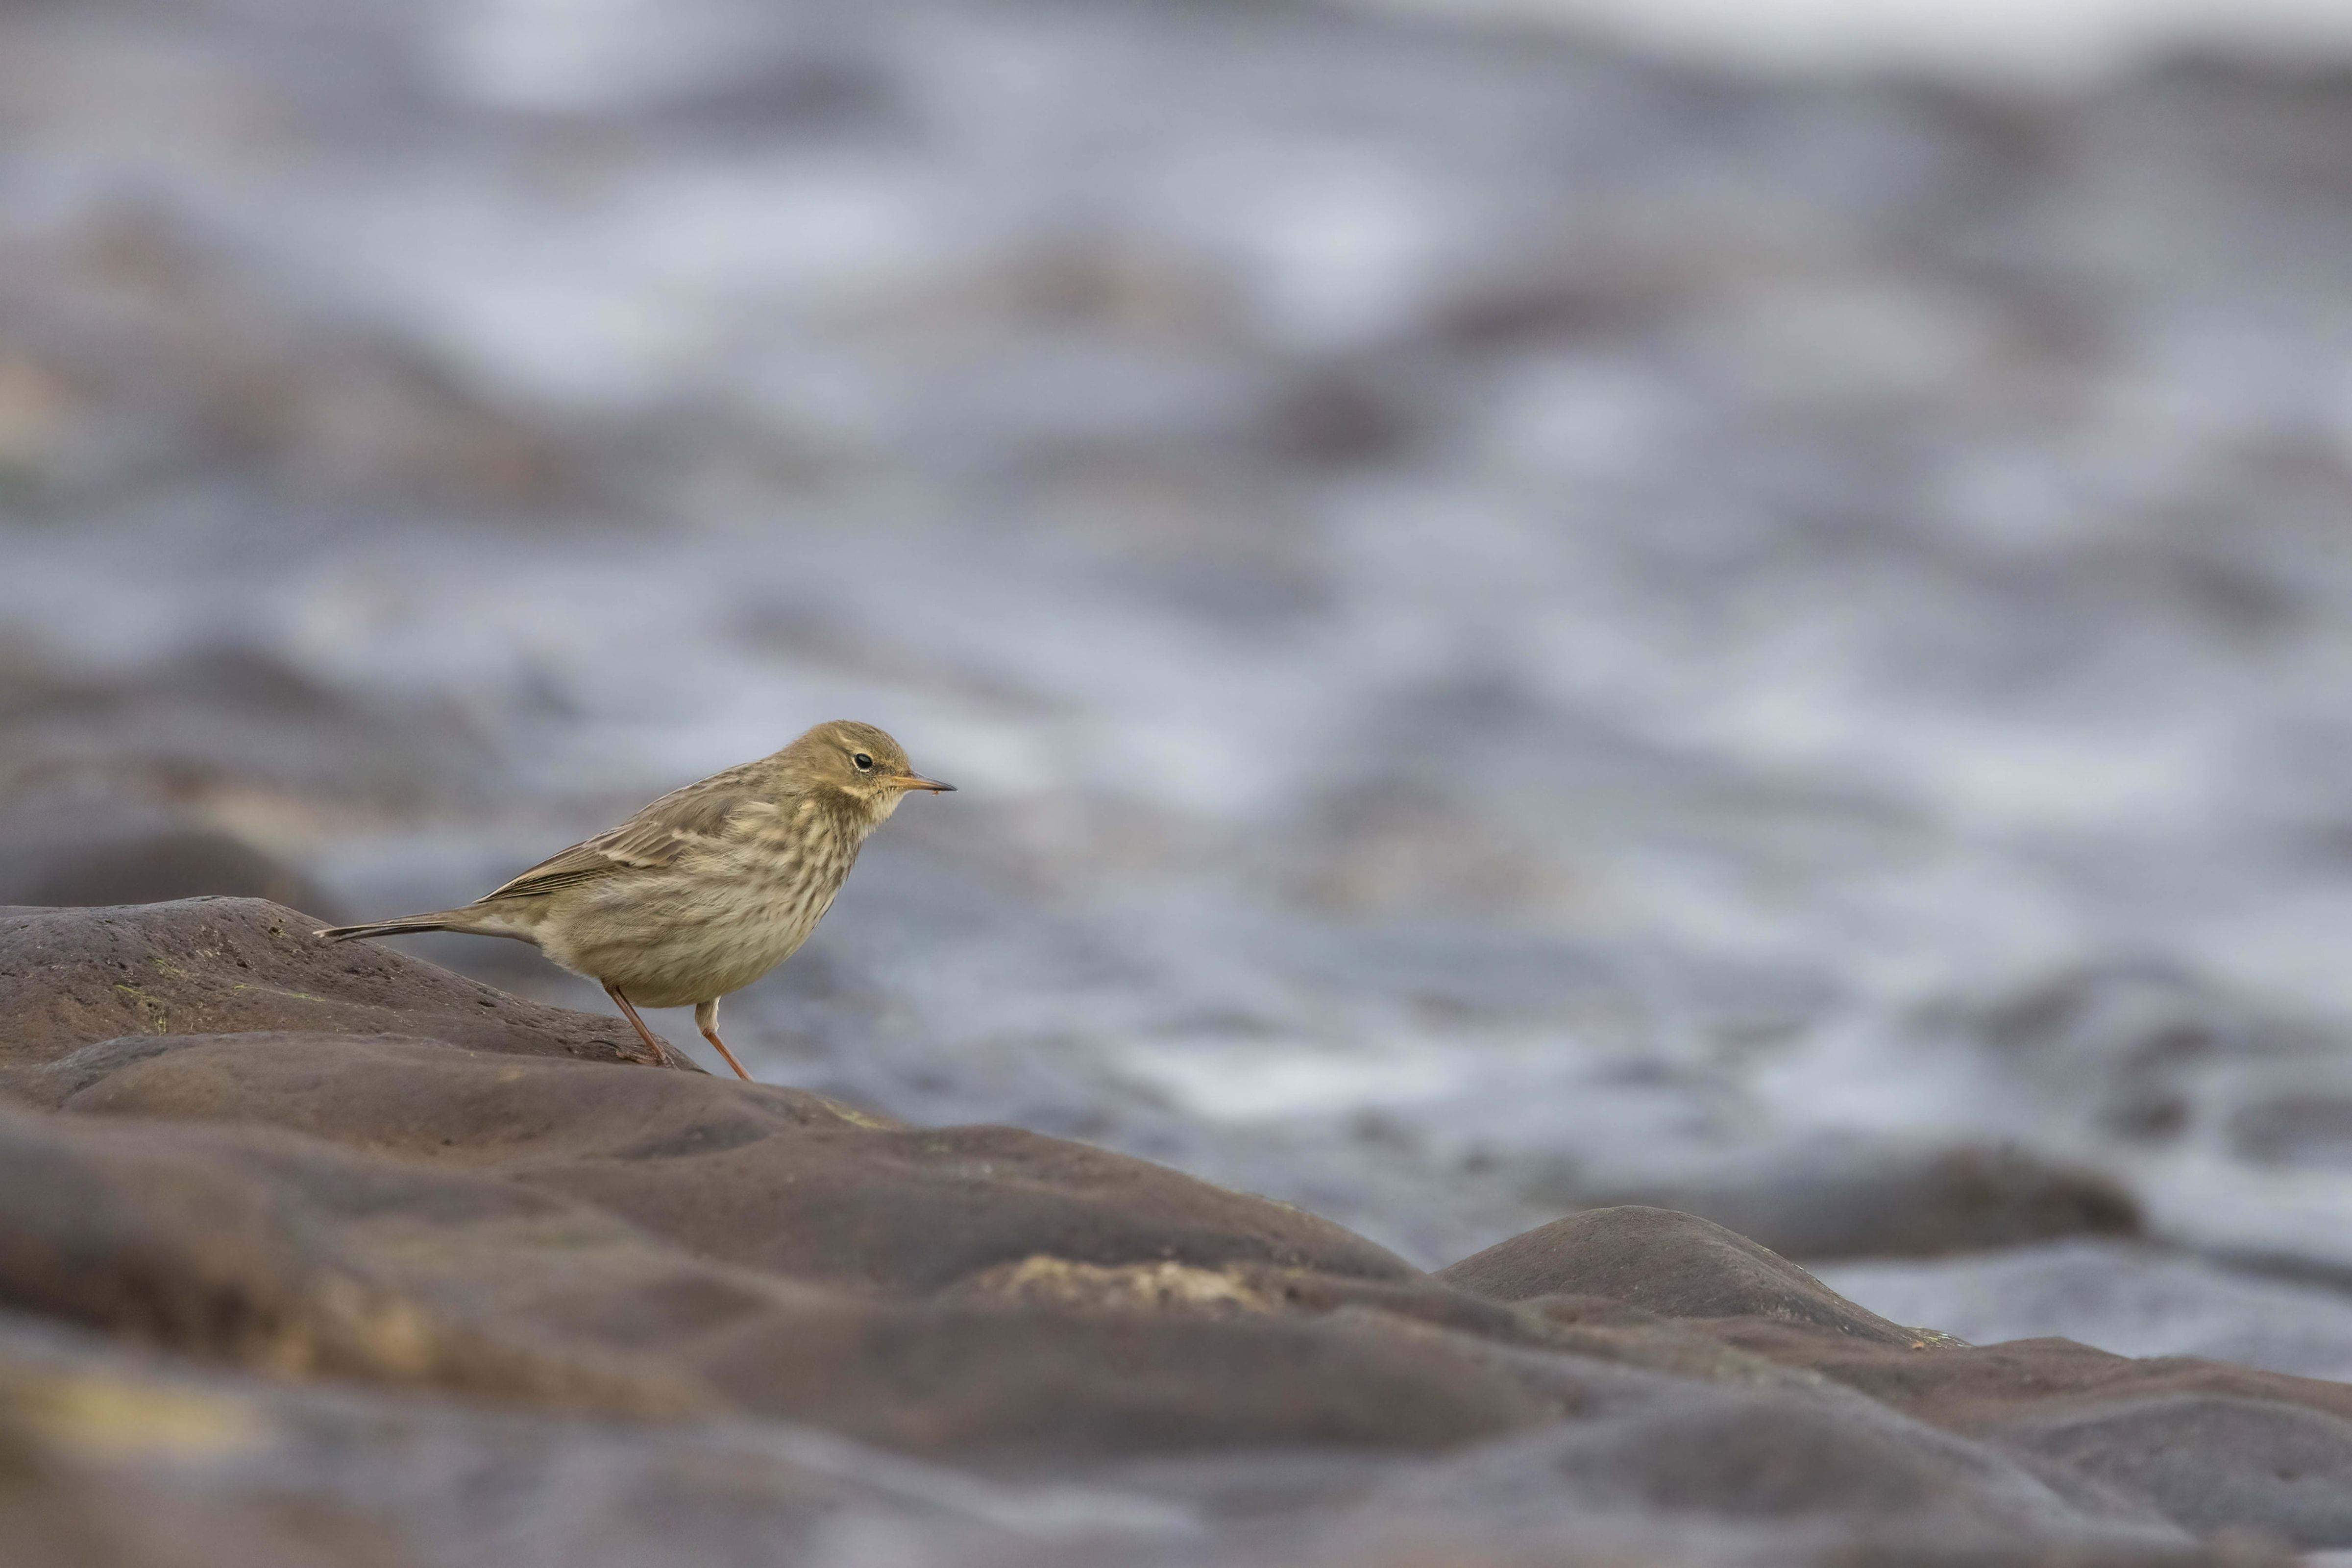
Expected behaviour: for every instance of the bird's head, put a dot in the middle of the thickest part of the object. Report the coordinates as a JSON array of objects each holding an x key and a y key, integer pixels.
[{"x": 858, "y": 762}]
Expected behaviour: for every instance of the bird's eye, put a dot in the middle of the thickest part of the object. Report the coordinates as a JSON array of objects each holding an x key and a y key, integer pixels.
[{"x": 865, "y": 763}]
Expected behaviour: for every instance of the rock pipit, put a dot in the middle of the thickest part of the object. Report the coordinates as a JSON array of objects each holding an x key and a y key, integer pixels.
[{"x": 707, "y": 889}]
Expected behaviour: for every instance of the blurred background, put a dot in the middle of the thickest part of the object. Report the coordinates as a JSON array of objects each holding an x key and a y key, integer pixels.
[{"x": 1535, "y": 603}]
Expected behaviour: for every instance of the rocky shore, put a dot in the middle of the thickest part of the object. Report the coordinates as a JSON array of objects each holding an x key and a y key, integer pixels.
[{"x": 316, "y": 1253}]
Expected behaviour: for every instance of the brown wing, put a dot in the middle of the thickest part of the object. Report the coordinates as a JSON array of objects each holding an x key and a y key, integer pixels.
[{"x": 656, "y": 837}]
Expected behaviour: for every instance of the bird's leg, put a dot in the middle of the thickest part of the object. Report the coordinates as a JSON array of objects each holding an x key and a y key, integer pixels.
[
  {"x": 705, "y": 1018},
  {"x": 661, "y": 1052}
]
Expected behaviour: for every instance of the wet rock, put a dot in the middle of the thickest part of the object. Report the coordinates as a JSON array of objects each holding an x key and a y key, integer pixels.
[
  {"x": 1966, "y": 1387},
  {"x": 184, "y": 862},
  {"x": 1671, "y": 1474},
  {"x": 345, "y": 1167},
  {"x": 1864, "y": 1199},
  {"x": 55, "y": 1515},
  {"x": 238, "y": 1250},
  {"x": 1670, "y": 1264},
  {"x": 761, "y": 1176},
  {"x": 109, "y": 1458},
  {"x": 2208, "y": 1445},
  {"x": 2211, "y": 1461},
  {"x": 322, "y": 1264},
  {"x": 1731, "y": 1454},
  {"x": 94, "y": 855},
  {"x": 566, "y": 1235},
  {"x": 226, "y": 736},
  {"x": 72, "y": 978},
  {"x": 116, "y": 1456},
  {"x": 120, "y": 1445}
]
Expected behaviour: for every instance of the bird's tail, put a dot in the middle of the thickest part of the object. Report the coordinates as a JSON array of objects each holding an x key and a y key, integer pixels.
[{"x": 440, "y": 920}]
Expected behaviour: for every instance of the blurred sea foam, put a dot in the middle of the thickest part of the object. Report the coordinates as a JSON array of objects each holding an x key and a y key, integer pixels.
[{"x": 2048, "y": 42}]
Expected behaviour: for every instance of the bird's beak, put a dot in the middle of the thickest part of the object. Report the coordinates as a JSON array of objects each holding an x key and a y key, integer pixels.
[{"x": 916, "y": 781}]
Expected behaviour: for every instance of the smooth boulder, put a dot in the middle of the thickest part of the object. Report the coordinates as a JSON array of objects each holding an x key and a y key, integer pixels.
[
  {"x": 294, "y": 1163},
  {"x": 753, "y": 1175},
  {"x": 1885, "y": 1197},
  {"x": 2208, "y": 1445},
  {"x": 1670, "y": 1264},
  {"x": 71, "y": 978},
  {"x": 584, "y": 1236}
]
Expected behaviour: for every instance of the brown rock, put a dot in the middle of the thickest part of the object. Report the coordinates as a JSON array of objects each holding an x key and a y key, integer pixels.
[
  {"x": 1671, "y": 1473},
  {"x": 2210, "y": 1445},
  {"x": 114, "y": 1459},
  {"x": 1870, "y": 1198},
  {"x": 1970, "y": 1387},
  {"x": 580, "y": 1235},
  {"x": 70, "y": 977},
  {"x": 2211, "y": 1462},
  {"x": 1673, "y": 1265},
  {"x": 765, "y": 1177},
  {"x": 388, "y": 1176},
  {"x": 54, "y": 1514},
  {"x": 144, "y": 864},
  {"x": 1725, "y": 1453}
]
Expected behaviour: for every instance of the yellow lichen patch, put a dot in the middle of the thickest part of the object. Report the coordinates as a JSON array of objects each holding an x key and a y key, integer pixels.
[
  {"x": 1043, "y": 1280},
  {"x": 97, "y": 1416},
  {"x": 157, "y": 1014},
  {"x": 856, "y": 1117}
]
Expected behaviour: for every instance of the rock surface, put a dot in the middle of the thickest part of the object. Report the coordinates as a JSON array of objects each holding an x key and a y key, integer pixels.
[
  {"x": 96, "y": 853},
  {"x": 332, "y": 1203},
  {"x": 1858, "y": 1197},
  {"x": 1669, "y": 1264},
  {"x": 71, "y": 978}
]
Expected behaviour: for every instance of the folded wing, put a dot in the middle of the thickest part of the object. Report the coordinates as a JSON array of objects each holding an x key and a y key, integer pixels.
[{"x": 656, "y": 837}]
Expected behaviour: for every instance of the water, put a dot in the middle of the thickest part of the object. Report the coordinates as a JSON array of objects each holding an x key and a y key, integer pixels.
[
  {"x": 1512, "y": 621},
  {"x": 2122, "y": 1298},
  {"x": 1999, "y": 41}
]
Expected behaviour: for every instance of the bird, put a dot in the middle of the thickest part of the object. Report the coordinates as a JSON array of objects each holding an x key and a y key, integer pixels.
[{"x": 705, "y": 889}]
